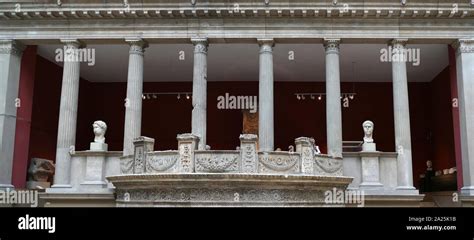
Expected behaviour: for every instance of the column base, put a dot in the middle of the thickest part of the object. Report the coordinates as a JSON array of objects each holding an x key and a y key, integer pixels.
[
  {"x": 407, "y": 190},
  {"x": 37, "y": 185},
  {"x": 94, "y": 187},
  {"x": 370, "y": 185},
  {"x": 57, "y": 188},
  {"x": 467, "y": 191},
  {"x": 6, "y": 186},
  {"x": 77, "y": 199}
]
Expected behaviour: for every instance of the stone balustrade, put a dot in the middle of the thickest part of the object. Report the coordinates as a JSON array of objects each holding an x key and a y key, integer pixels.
[{"x": 247, "y": 159}]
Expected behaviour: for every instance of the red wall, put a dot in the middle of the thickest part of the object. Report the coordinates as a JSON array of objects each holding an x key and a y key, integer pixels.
[
  {"x": 165, "y": 117},
  {"x": 45, "y": 115},
  {"x": 23, "y": 118},
  {"x": 441, "y": 122}
]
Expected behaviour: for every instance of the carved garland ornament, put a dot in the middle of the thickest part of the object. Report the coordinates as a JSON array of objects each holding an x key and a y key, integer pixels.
[
  {"x": 126, "y": 165},
  {"x": 329, "y": 165},
  {"x": 160, "y": 163},
  {"x": 279, "y": 163},
  {"x": 217, "y": 163}
]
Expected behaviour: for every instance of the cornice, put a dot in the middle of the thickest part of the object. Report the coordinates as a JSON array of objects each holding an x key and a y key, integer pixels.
[{"x": 245, "y": 9}]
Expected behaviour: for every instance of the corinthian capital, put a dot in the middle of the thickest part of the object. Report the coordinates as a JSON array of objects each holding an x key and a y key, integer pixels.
[
  {"x": 200, "y": 45},
  {"x": 137, "y": 45},
  {"x": 331, "y": 45},
  {"x": 464, "y": 46},
  {"x": 398, "y": 43},
  {"x": 11, "y": 47},
  {"x": 266, "y": 45}
]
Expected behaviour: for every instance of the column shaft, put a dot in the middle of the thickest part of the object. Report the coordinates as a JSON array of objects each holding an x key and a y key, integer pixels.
[
  {"x": 133, "y": 102},
  {"x": 265, "y": 94},
  {"x": 10, "y": 61},
  {"x": 333, "y": 98},
  {"x": 67, "y": 114},
  {"x": 465, "y": 77},
  {"x": 401, "y": 116},
  {"x": 199, "y": 114}
]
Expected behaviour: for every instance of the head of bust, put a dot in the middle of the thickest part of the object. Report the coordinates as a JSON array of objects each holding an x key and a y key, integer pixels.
[
  {"x": 99, "y": 128},
  {"x": 368, "y": 127}
]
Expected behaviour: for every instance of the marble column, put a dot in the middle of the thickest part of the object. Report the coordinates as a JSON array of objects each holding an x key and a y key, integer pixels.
[
  {"x": 10, "y": 62},
  {"x": 198, "y": 121},
  {"x": 333, "y": 98},
  {"x": 265, "y": 95},
  {"x": 465, "y": 76},
  {"x": 67, "y": 114},
  {"x": 401, "y": 115},
  {"x": 133, "y": 102}
]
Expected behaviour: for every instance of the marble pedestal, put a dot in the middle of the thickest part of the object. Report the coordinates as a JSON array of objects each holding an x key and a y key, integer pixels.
[
  {"x": 98, "y": 146},
  {"x": 95, "y": 172},
  {"x": 37, "y": 185},
  {"x": 370, "y": 167}
]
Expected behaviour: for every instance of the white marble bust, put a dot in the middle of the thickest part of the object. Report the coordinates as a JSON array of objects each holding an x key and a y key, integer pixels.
[
  {"x": 368, "y": 127},
  {"x": 99, "y": 131}
]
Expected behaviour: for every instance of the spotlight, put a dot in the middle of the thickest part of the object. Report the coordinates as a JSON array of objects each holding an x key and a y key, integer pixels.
[
  {"x": 312, "y": 96},
  {"x": 154, "y": 96},
  {"x": 298, "y": 96},
  {"x": 179, "y": 96},
  {"x": 319, "y": 98},
  {"x": 143, "y": 96},
  {"x": 187, "y": 96},
  {"x": 302, "y": 97}
]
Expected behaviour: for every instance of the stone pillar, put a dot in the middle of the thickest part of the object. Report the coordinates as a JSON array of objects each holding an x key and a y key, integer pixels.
[
  {"x": 304, "y": 146},
  {"x": 200, "y": 91},
  {"x": 465, "y": 76},
  {"x": 401, "y": 115},
  {"x": 333, "y": 99},
  {"x": 133, "y": 102},
  {"x": 187, "y": 144},
  {"x": 142, "y": 145},
  {"x": 265, "y": 95},
  {"x": 248, "y": 153},
  {"x": 10, "y": 62},
  {"x": 67, "y": 114}
]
